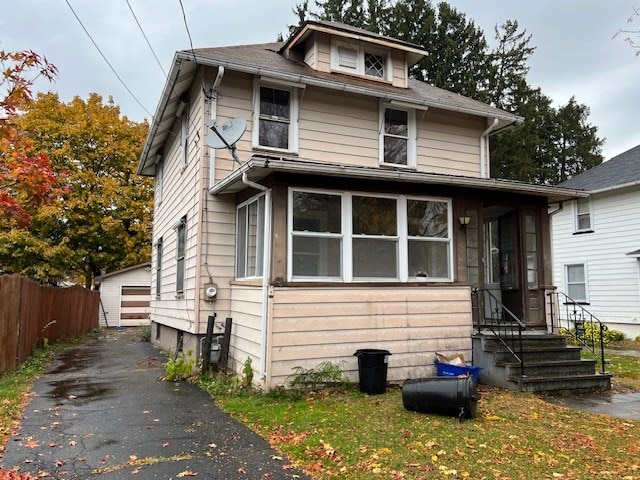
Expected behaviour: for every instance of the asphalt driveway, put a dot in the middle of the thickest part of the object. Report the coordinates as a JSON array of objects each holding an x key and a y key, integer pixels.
[{"x": 101, "y": 411}]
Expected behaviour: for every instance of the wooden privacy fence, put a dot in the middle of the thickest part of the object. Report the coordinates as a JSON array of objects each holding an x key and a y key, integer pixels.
[{"x": 30, "y": 312}]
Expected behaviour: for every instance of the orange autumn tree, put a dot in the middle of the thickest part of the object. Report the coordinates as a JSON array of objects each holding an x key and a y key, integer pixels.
[{"x": 27, "y": 179}]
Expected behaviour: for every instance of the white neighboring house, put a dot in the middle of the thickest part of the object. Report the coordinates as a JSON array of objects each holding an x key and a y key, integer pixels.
[
  {"x": 125, "y": 295},
  {"x": 596, "y": 242}
]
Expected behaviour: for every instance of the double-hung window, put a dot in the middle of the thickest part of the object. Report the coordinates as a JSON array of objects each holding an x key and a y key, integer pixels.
[
  {"x": 576, "y": 282},
  {"x": 583, "y": 215},
  {"x": 181, "y": 231},
  {"x": 250, "y": 238},
  {"x": 275, "y": 114},
  {"x": 397, "y": 137},
  {"x": 366, "y": 237}
]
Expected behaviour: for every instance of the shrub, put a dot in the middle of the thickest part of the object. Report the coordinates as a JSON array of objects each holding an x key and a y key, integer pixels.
[
  {"x": 144, "y": 333},
  {"x": 181, "y": 367},
  {"x": 325, "y": 374}
]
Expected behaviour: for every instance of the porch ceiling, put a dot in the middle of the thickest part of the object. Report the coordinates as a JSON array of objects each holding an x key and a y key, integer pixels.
[{"x": 259, "y": 167}]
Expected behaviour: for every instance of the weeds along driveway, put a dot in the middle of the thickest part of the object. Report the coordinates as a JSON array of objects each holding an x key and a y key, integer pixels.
[{"x": 101, "y": 411}]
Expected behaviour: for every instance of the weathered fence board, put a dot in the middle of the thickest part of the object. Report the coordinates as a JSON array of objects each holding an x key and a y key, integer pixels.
[{"x": 30, "y": 312}]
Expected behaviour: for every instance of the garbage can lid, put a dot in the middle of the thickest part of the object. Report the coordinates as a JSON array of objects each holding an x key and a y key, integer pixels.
[{"x": 372, "y": 351}]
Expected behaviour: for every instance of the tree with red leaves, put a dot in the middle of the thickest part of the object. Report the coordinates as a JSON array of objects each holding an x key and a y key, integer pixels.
[{"x": 27, "y": 179}]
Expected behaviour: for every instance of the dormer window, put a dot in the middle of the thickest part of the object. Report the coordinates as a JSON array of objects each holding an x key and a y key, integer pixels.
[{"x": 360, "y": 59}]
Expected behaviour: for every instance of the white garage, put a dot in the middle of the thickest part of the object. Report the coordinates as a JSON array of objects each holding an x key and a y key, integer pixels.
[{"x": 125, "y": 296}]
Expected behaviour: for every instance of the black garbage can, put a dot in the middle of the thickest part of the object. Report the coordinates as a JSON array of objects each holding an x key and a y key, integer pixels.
[
  {"x": 372, "y": 370},
  {"x": 454, "y": 396}
]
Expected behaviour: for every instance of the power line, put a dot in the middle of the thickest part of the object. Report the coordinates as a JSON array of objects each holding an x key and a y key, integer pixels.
[
  {"x": 193, "y": 52},
  {"x": 105, "y": 59},
  {"x": 145, "y": 37}
]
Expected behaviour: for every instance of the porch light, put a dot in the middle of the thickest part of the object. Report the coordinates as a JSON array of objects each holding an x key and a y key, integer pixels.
[{"x": 464, "y": 221}]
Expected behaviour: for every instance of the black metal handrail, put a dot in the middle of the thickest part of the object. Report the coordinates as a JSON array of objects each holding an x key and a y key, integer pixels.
[
  {"x": 503, "y": 323},
  {"x": 570, "y": 318}
]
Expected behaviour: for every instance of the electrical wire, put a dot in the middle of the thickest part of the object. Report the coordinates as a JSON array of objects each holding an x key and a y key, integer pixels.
[
  {"x": 193, "y": 52},
  {"x": 105, "y": 59},
  {"x": 146, "y": 39}
]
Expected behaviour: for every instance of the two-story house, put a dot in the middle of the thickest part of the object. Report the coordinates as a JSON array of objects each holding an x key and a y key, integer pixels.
[
  {"x": 360, "y": 214},
  {"x": 596, "y": 242}
]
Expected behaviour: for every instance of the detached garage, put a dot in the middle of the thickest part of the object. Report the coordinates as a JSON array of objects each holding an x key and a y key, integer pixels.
[{"x": 125, "y": 296}]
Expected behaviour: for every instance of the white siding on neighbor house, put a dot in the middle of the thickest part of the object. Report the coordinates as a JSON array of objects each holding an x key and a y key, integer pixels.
[
  {"x": 613, "y": 283},
  {"x": 181, "y": 194},
  {"x": 310, "y": 325},
  {"x": 110, "y": 295}
]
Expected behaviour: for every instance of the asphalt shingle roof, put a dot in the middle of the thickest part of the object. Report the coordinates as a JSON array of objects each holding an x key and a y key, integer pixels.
[{"x": 620, "y": 170}]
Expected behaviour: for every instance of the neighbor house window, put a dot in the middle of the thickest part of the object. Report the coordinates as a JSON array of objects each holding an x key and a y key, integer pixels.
[
  {"x": 159, "y": 267},
  {"x": 360, "y": 59},
  {"x": 576, "y": 282},
  {"x": 360, "y": 237},
  {"x": 397, "y": 137},
  {"x": 276, "y": 118},
  {"x": 181, "y": 231},
  {"x": 250, "y": 238},
  {"x": 583, "y": 215}
]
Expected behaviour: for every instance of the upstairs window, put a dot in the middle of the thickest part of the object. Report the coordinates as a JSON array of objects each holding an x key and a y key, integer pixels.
[
  {"x": 397, "y": 137},
  {"x": 276, "y": 118},
  {"x": 360, "y": 59},
  {"x": 583, "y": 215}
]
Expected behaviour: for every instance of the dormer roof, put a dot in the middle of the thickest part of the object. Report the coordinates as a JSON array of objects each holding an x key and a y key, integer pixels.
[{"x": 413, "y": 52}]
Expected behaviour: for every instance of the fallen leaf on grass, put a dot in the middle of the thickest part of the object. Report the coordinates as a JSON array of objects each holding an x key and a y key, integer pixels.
[{"x": 32, "y": 444}]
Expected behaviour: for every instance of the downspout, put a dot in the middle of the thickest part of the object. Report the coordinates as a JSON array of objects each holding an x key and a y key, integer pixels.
[
  {"x": 204, "y": 195},
  {"x": 484, "y": 170},
  {"x": 266, "y": 270}
]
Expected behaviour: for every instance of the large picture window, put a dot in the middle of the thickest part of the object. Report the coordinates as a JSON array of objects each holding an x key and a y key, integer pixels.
[
  {"x": 276, "y": 118},
  {"x": 367, "y": 237},
  {"x": 250, "y": 239}
]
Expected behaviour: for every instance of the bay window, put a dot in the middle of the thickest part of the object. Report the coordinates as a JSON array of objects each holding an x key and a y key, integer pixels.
[{"x": 343, "y": 236}]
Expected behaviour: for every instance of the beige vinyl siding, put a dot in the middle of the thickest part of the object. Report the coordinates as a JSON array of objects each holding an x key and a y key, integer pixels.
[
  {"x": 339, "y": 128},
  {"x": 323, "y": 52},
  {"x": 311, "y": 54},
  {"x": 312, "y": 325},
  {"x": 246, "y": 310},
  {"x": 399, "y": 70},
  {"x": 180, "y": 198},
  {"x": 448, "y": 143}
]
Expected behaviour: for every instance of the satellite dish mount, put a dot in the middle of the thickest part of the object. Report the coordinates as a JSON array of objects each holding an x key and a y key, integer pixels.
[{"x": 226, "y": 135}]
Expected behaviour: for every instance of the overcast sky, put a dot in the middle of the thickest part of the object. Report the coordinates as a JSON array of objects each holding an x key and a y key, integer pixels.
[{"x": 575, "y": 52}]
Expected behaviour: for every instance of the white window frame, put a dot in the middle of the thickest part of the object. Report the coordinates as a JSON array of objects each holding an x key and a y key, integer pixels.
[
  {"x": 181, "y": 269},
  {"x": 293, "y": 115},
  {"x": 589, "y": 213},
  {"x": 411, "y": 135},
  {"x": 259, "y": 246},
  {"x": 347, "y": 237},
  {"x": 586, "y": 281},
  {"x": 360, "y": 50},
  {"x": 159, "y": 254}
]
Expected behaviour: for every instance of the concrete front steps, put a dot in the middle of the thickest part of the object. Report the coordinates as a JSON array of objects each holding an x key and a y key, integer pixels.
[{"x": 550, "y": 365}]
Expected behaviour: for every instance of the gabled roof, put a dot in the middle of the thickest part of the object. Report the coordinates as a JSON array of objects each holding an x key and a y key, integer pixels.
[
  {"x": 621, "y": 171},
  {"x": 414, "y": 52},
  {"x": 266, "y": 61}
]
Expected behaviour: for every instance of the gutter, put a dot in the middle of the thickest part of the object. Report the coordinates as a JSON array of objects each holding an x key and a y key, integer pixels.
[{"x": 615, "y": 187}]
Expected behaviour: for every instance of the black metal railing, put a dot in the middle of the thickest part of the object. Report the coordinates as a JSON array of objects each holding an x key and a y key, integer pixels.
[
  {"x": 507, "y": 328},
  {"x": 570, "y": 318}
]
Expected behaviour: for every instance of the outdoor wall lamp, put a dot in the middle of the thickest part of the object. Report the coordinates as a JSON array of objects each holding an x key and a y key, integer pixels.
[{"x": 464, "y": 221}]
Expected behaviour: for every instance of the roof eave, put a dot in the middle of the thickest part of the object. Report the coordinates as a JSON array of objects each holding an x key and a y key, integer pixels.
[{"x": 258, "y": 168}]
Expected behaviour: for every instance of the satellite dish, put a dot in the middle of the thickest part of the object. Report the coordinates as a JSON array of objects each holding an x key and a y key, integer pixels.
[{"x": 226, "y": 135}]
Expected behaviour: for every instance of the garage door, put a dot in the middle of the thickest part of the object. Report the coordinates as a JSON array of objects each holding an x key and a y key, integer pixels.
[{"x": 134, "y": 306}]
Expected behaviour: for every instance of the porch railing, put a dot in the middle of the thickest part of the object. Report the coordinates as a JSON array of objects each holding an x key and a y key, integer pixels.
[
  {"x": 570, "y": 318},
  {"x": 502, "y": 322}
]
